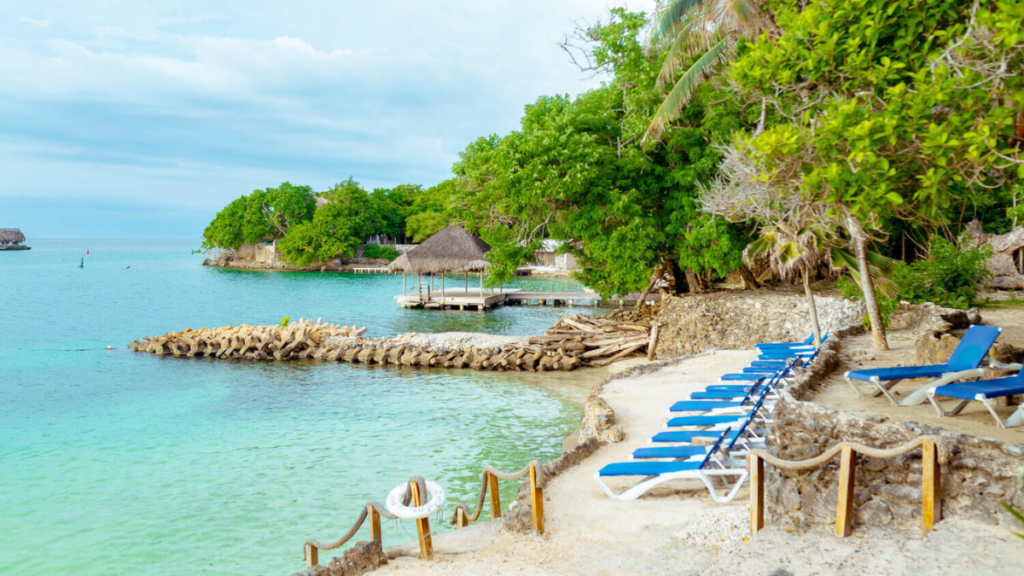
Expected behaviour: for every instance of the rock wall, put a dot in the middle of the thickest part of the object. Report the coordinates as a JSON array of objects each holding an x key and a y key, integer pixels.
[
  {"x": 362, "y": 558},
  {"x": 738, "y": 320},
  {"x": 982, "y": 472}
]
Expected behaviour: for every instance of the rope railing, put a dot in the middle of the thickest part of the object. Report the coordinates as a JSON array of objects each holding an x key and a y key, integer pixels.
[
  {"x": 416, "y": 491},
  {"x": 489, "y": 481},
  {"x": 934, "y": 451}
]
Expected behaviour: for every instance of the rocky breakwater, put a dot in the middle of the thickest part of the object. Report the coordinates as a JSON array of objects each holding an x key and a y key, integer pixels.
[{"x": 573, "y": 342}]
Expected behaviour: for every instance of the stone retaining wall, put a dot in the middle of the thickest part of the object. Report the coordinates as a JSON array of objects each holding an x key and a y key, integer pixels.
[
  {"x": 982, "y": 472},
  {"x": 738, "y": 320}
]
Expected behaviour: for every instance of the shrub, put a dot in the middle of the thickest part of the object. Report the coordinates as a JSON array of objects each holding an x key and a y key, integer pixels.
[
  {"x": 377, "y": 251},
  {"x": 949, "y": 277}
]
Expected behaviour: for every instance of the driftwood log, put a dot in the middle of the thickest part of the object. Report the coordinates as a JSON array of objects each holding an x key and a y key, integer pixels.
[{"x": 573, "y": 342}]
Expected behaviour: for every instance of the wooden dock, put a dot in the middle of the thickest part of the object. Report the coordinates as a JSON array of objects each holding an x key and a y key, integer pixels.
[
  {"x": 372, "y": 270},
  {"x": 475, "y": 299}
]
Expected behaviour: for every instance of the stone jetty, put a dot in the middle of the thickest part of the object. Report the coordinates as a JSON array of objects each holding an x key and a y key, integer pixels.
[{"x": 573, "y": 342}]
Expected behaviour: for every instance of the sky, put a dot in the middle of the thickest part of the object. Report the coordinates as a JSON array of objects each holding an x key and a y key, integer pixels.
[{"x": 135, "y": 118}]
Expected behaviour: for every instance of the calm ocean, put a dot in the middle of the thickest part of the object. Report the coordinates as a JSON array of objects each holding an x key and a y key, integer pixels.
[{"x": 118, "y": 462}]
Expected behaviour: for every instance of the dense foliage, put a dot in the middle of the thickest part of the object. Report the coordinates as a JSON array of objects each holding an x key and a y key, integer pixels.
[
  {"x": 948, "y": 276},
  {"x": 377, "y": 251},
  {"x": 576, "y": 170},
  {"x": 346, "y": 217}
]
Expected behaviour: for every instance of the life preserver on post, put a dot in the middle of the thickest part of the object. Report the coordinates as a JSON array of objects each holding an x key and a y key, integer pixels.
[{"x": 436, "y": 501}]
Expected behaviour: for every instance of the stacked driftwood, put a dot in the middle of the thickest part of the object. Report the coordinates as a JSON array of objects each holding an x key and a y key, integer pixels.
[
  {"x": 573, "y": 342},
  {"x": 598, "y": 341}
]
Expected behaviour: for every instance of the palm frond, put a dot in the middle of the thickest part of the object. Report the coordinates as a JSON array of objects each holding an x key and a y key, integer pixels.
[
  {"x": 683, "y": 90},
  {"x": 744, "y": 13},
  {"x": 882, "y": 262},
  {"x": 672, "y": 14},
  {"x": 877, "y": 266},
  {"x": 674, "y": 58}
]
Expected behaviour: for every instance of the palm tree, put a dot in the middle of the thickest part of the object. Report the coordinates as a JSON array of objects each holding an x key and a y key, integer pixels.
[
  {"x": 793, "y": 249},
  {"x": 686, "y": 28}
]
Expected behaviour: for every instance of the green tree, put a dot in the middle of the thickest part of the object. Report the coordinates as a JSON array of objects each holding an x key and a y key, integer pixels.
[
  {"x": 227, "y": 228},
  {"x": 886, "y": 109},
  {"x": 337, "y": 227}
]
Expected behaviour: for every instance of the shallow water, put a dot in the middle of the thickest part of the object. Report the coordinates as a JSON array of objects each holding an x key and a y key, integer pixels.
[{"x": 113, "y": 461}]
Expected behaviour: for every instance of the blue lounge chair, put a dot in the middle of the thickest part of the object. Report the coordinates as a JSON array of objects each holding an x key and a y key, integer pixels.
[
  {"x": 715, "y": 405},
  {"x": 659, "y": 472},
  {"x": 780, "y": 345},
  {"x": 742, "y": 437},
  {"x": 982, "y": 391},
  {"x": 962, "y": 364}
]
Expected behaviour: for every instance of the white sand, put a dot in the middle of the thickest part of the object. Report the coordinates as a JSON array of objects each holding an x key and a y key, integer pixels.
[
  {"x": 679, "y": 530},
  {"x": 451, "y": 340}
]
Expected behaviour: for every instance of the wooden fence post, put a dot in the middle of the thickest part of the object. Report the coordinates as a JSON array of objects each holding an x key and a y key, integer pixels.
[
  {"x": 461, "y": 521},
  {"x": 422, "y": 524},
  {"x": 756, "y": 493},
  {"x": 311, "y": 555},
  {"x": 492, "y": 486},
  {"x": 374, "y": 524},
  {"x": 847, "y": 470},
  {"x": 536, "y": 501},
  {"x": 931, "y": 489}
]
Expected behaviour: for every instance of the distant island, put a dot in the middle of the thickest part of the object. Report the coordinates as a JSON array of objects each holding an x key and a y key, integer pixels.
[{"x": 12, "y": 239}]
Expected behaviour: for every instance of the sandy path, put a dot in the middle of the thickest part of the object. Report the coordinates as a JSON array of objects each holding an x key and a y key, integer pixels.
[{"x": 680, "y": 530}]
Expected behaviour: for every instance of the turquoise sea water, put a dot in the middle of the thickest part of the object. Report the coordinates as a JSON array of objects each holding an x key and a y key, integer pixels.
[{"x": 119, "y": 462}]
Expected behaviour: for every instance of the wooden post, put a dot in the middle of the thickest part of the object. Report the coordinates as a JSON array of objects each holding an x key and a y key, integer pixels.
[
  {"x": 847, "y": 471},
  {"x": 492, "y": 487},
  {"x": 311, "y": 555},
  {"x": 931, "y": 491},
  {"x": 374, "y": 524},
  {"x": 403, "y": 284},
  {"x": 756, "y": 494},
  {"x": 536, "y": 502},
  {"x": 653, "y": 343},
  {"x": 461, "y": 521},
  {"x": 422, "y": 525},
  {"x": 442, "y": 284}
]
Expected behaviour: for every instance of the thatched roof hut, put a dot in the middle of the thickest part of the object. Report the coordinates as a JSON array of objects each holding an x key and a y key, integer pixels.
[
  {"x": 450, "y": 251},
  {"x": 11, "y": 236}
]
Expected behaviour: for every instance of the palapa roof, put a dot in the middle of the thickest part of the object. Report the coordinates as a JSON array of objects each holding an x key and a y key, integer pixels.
[
  {"x": 451, "y": 251},
  {"x": 9, "y": 235}
]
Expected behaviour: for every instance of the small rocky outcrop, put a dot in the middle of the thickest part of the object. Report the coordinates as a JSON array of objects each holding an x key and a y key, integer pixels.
[
  {"x": 362, "y": 558},
  {"x": 1005, "y": 274}
]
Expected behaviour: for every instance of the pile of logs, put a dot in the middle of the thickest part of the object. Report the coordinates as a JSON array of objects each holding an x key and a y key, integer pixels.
[
  {"x": 574, "y": 341},
  {"x": 598, "y": 341}
]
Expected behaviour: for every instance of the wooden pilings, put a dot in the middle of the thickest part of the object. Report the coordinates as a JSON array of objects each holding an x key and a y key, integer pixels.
[
  {"x": 536, "y": 502},
  {"x": 492, "y": 487},
  {"x": 312, "y": 555},
  {"x": 756, "y": 493},
  {"x": 847, "y": 469},
  {"x": 422, "y": 524},
  {"x": 931, "y": 489}
]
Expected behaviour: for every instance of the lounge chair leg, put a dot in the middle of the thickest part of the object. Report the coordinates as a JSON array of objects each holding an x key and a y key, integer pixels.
[
  {"x": 1017, "y": 418},
  {"x": 992, "y": 411},
  {"x": 885, "y": 389},
  {"x": 856, "y": 388}
]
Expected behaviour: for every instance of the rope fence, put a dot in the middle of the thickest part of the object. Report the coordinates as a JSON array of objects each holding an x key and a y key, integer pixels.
[
  {"x": 416, "y": 491},
  {"x": 934, "y": 452}
]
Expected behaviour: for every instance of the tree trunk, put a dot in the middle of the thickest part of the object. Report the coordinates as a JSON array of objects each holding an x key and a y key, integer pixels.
[
  {"x": 659, "y": 271},
  {"x": 815, "y": 327},
  {"x": 694, "y": 281},
  {"x": 867, "y": 284},
  {"x": 749, "y": 282}
]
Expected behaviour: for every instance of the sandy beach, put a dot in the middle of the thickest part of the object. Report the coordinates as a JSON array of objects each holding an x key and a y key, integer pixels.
[{"x": 678, "y": 529}]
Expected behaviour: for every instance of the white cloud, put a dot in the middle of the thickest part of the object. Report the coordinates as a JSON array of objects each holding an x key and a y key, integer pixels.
[
  {"x": 130, "y": 102},
  {"x": 34, "y": 22}
]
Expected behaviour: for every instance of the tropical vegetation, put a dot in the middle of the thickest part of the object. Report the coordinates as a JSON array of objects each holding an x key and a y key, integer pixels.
[{"x": 740, "y": 136}]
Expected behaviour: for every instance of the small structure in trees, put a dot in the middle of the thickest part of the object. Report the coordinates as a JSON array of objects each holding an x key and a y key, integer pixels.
[{"x": 452, "y": 251}]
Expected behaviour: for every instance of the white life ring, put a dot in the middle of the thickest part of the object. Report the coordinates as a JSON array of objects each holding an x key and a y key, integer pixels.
[{"x": 435, "y": 502}]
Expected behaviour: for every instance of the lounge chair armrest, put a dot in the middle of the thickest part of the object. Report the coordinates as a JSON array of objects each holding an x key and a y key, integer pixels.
[{"x": 1007, "y": 366}]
